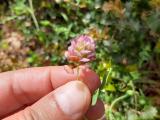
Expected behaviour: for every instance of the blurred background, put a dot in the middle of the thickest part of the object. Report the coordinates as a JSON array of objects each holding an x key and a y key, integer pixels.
[{"x": 127, "y": 33}]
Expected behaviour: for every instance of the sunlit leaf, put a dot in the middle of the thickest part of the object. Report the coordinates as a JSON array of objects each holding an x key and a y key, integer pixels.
[
  {"x": 95, "y": 97},
  {"x": 110, "y": 87}
]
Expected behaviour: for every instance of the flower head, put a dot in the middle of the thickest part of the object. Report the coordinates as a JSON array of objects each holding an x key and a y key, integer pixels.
[{"x": 82, "y": 49}]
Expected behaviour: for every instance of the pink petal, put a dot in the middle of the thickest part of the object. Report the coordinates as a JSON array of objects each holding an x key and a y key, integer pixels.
[
  {"x": 91, "y": 55},
  {"x": 70, "y": 49},
  {"x": 84, "y": 60},
  {"x": 77, "y": 53},
  {"x": 85, "y": 52}
]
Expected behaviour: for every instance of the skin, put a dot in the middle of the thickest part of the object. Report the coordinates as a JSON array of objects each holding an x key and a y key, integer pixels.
[{"x": 49, "y": 93}]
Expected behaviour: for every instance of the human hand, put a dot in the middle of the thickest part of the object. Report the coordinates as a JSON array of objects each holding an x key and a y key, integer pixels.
[{"x": 49, "y": 93}]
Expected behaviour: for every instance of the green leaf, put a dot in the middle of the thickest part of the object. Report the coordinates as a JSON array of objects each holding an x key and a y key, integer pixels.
[
  {"x": 106, "y": 77},
  {"x": 95, "y": 97},
  {"x": 149, "y": 113},
  {"x": 45, "y": 23},
  {"x": 131, "y": 115},
  {"x": 19, "y": 7},
  {"x": 157, "y": 47},
  {"x": 135, "y": 75},
  {"x": 65, "y": 17},
  {"x": 110, "y": 87}
]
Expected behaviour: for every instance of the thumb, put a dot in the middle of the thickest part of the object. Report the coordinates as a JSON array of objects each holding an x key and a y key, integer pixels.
[{"x": 68, "y": 102}]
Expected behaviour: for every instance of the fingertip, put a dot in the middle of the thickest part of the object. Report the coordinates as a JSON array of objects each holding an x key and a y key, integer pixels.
[
  {"x": 89, "y": 77},
  {"x": 73, "y": 106},
  {"x": 96, "y": 112},
  {"x": 64, "y": 74}
]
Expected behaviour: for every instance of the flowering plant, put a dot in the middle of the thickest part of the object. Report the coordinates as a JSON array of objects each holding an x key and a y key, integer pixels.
[{"x": 81, "y": 50}]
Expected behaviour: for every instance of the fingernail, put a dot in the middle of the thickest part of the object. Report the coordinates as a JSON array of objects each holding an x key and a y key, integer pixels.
[
  {"x": 68, "y": 69},
  {"x": 73, "y": 99}
]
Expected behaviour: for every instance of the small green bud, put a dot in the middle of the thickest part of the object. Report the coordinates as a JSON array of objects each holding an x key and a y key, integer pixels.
[
  {"x": 130, "y": 92},
  {"x": 142, "y": 101}
]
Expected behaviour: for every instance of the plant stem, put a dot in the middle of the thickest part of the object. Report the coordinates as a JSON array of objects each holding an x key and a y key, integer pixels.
[
  {"x": 114, "y": 103},
  {"x": 117, "y": 100},
  {"x": 33, "y": 15},
  {"x": 135, "y": 96}
]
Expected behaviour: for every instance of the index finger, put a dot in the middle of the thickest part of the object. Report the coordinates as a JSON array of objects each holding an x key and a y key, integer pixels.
[{"x": 24, "y": 87}]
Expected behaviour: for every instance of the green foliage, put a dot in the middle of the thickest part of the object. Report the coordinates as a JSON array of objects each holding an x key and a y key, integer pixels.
[
  {"x": 19, "y": 8},
  {"x": 127, "y": 33}
]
